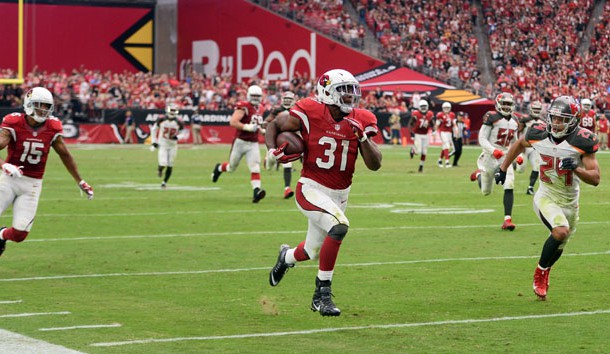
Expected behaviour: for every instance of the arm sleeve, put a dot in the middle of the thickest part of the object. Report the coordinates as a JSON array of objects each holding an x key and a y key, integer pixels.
[{"x": 484, "y": 139}]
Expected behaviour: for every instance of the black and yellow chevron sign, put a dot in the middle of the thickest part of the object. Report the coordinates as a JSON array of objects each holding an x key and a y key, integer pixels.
[{"x": 136, "y": 44}]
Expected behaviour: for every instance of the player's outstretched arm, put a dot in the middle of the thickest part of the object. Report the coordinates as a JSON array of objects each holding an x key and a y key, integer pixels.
[{"x": 66, "y": 157}]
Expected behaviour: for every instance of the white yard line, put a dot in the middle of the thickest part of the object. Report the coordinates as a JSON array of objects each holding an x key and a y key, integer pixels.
[
  {"x": 354, "y": 328},
  {"x": 16, "y": 315},
  {"x": 80, "y": 327},
  {"x": 370, "y": 264},
  {"x": 11, "y": 343},
  {"x": 10, "y": 302}
]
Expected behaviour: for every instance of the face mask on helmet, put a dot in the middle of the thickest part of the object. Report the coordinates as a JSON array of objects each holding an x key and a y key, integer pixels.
[
  {"x": 423, "y": 106},
  {"x": 586, "y": 104},
  {"x": 255, "y": 95},
  {"x": 339, "y": 88},
  {"x": 446, "y": 107},
  {"x": 172, "y": 111},
  {"x": 288, "y": 99},
  {"x": 535, "y": 109},
  {"x": 505, "y": 104},
  {"x": 563, "y": 116},
  {"x": 38, "y": 104}
]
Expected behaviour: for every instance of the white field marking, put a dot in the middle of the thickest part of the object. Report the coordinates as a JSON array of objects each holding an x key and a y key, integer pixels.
[
  {"x": 15, "y": 315},
  {"x": 150, "y": 186},
  {"x": 369, "y": 264},
  {"x": 80, "y": 327},
  {"x": 354, "y": 328},
  {"x": 268, "y": 232},
  {"x": 11, "y": 343},
  {"x": 10, "y": 302},
  {"x": 442, "y": 211}
]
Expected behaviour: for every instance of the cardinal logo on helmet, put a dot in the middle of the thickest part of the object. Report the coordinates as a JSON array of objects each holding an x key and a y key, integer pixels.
[{"x": 324, "y": 80}]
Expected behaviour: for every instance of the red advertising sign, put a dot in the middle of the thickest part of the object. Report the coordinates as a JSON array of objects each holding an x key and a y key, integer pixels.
[
  {"x": 63, "y": 37},
  {"x": 244, "y": 40}
]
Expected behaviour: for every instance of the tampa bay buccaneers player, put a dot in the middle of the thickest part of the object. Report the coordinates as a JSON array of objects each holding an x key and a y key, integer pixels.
[
  {"x": 28, "y": 138},
  {"x": 567, "y": 156},
  {"x": 287, "y": 100},
  {"x": 164, "y": 136},
  {"x": 422, "y": 120},
  {"x": 526, "y": 122},
  {"x": 246, "y": 119},
  {"x": 498, "y": 131},
  {"x": 335, "y": 133}
]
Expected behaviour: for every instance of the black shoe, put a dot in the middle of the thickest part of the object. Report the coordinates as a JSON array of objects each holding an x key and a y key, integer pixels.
[
  {"x": 440, "y": 163},
  {"x": 420, "y": 169},
  {"x": 530, "y": 191},
  {"x": 280, "y": 268},
  {"x": 411, "y": 153},
  {"x": 216, "y": 173},
  {"x": 159, "y": 173},
  {"x": 258, "y": 195},
  {"x": 2, "y": 242},
  {"x": 322, "y": 300}
]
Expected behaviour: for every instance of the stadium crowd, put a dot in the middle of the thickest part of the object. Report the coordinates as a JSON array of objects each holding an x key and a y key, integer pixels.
[{"x": 436, "y": 38}]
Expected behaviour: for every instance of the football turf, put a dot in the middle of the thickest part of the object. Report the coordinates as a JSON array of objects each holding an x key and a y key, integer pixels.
[{"x": 424, "y": 268}]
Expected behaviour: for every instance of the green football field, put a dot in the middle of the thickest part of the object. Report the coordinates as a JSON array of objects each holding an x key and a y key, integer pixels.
[{"x": 425, "y": 267}]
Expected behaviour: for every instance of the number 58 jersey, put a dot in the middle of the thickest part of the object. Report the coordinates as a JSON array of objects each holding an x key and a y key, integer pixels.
[
  {"x": 331, "y": 147},
  {"x": 29, "y": 146}
]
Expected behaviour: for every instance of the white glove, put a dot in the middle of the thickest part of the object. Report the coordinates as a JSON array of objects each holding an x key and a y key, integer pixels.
[
  {"x": 12, "y": 170},
  {"x": 270, "y": 160},
  {"x": 250, "y": 127}
]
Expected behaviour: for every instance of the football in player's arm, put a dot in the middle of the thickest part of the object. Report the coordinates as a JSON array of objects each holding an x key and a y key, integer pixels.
[
  {"x": 567, "y": 156},
  {"x": 28, "y": 139}
]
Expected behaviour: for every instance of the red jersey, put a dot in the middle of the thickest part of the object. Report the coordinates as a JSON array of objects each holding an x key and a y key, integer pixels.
[
  {"x": 422, "y": 122},
  {"x": 254, "y": 115},
  {"x": 588, "y": 120},
  {"x": 602, "y": 125},
  {"x": 331, "y": 147},
  {"x": 29, "y": 146},
  {"x": 446, "y": 121}
]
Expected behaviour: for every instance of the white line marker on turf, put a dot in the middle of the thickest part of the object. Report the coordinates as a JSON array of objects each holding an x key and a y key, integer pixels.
[
  {"x": 80, "y": 327},
  {"x": 355, "y": 328},
  {"x": 14, "y": 315},
  {"x": 10, "y": 302},
  {"x": 369, "y": 264}
]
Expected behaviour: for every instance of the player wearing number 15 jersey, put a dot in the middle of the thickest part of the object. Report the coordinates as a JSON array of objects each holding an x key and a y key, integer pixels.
[
  {"x": 567, "y": 156},
  {"x": 28, "y": 138},
  {"x": 335, "y": 132}
]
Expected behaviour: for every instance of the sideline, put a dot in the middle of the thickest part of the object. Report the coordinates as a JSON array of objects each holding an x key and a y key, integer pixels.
[{"x": 12, "y": 343}]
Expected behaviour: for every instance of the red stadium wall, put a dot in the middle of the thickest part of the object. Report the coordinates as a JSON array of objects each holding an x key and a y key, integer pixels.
[
  {"x": 242, "y": 39},
  {"x": 63, "y": 37}
]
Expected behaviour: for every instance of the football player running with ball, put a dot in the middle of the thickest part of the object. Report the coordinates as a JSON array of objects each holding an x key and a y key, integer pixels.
[
  {"x": 335, "y": 132},
  {"x": 29, "y": 138},
  {"x": 567, "y": 156}
]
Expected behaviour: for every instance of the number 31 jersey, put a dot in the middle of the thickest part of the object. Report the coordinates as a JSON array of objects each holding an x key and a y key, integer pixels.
[
  {"x": 331, "y": 146},
  {"x": 29, "y": 146}
]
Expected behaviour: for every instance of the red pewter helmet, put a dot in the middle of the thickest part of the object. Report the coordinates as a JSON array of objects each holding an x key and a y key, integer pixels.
[
  {"x": 423, "y": 106},
  {"x": 446, "y": 107},
  {"x": 536, "y": 109},
  {"x": 255, "y": 95},
  {"x": 505, "y": 104},
  {"x": 288, "y": 99},
  {"x": 172, "y": 111},
  {"x": 563, "y": 116},
  {"x": 339, "y": 88},
  {"x": 38, "y": 104}
]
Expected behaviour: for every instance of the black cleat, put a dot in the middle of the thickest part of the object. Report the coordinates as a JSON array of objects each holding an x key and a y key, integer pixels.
[
  {"x": 411, "y": 153},
  {"x": 280, "y": 268},
  {"x": 420, "y": 169},
  {"x": 2, "y": 242},
  {"x": 530, "y": 191},
  {"x": 216, "y": 173},
  {"x": 258, "y": 195},
  {"x": 322, "y": 300}
]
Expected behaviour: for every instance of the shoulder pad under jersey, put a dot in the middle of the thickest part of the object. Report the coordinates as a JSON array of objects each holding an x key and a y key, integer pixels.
[
  {"x": 491, "y": 117},
  {"x": 537, "y": 132},
  {"x": 584, "y": 140}
]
